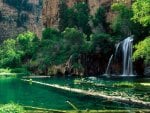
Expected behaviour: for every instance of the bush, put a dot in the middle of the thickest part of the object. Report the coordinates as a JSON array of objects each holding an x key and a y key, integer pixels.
[
  {"x": 5, "y": 70},
  {"x": 19, "y": 70},
  {"x": 143, "y": 50},
  {"x": 9, "y": 56},
  {"x": 124, "y": 84},
  {"x": 102, "y": 43},
  {"x": 50, "y": 33},
  {"x": 122, "y": 24},
  {"x": 141, "y": 12},
  {"x": 11, "y": 108}
]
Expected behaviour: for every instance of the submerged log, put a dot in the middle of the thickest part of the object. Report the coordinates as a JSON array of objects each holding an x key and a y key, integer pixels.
[
  {"x": 26, "y": 77},
  {"x": 95, "y": 94}
]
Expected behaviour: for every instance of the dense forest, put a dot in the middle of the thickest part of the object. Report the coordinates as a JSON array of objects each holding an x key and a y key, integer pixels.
[{"x": 83, "y": 43}]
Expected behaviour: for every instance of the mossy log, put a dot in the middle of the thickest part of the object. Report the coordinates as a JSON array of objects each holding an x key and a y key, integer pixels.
[{"x": 95, "y": 94}]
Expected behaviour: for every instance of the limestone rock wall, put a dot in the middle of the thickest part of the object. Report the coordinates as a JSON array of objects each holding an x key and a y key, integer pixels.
[
  {"x": 51, "y": 13},
  {"x": 14, "y": 21},
  {"x": 40, "y": 14},
  {"x": 51, "y": 9}
]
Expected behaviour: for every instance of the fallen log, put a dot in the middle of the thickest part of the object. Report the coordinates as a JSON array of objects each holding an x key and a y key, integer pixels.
[
  {"x": 27, "y": 77},
  {"x": 95, "y": 94}
]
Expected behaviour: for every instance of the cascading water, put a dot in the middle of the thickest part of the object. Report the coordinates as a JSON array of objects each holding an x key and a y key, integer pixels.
[
  {"x": 127, "y": 56},
  {"x": 117, "y": 47},
  {"x": 108, "y": 66},
  {"x": 126, "y": 47}
]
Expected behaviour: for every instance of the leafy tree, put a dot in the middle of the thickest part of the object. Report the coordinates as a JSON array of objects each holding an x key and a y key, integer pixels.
[
  {"x": 50, "y": 33},
  {"x": 77, "y": 16},
  {"x": 63, "y": 15},
  {"x": 122, "y": 24},
  {"x": 9, "y": 56},
  {"x": 102, "y": 43},
  {"x": 27, "y": 42},
  {"x": 141, "y": 11},
  {"x": 73, "y": 36},
  {"x": 48, "y": 51},
  {"x": 82, "y": 16},
  {"x": 100, "y": 16},
  {"x": 13, "y": 52},
  {"x": 143, "y": 50},
  {"x": 75, "y": 40}
]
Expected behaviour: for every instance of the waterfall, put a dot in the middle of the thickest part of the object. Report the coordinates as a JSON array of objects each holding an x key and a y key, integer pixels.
[
  {"x": 126, "y": 47},
  {"x": 127, "y": 56},
  {"x": 117, "y": 47},
  {"x": 68, "y": 63},
  {"x": 108, "y": 66}
]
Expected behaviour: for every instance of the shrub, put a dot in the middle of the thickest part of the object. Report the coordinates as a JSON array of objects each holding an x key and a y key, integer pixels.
[
  {"x": 141, "y": 12},
  {"x": 5, "y": 70},
  {"x": 143, "y": 50},
  {"x": 19, "y": 70},
  {"x": 11, "y": 108}
]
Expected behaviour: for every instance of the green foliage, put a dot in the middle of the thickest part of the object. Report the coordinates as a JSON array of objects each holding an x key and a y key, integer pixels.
[
  {"x": 102, "y": 43},
  {"x": 77, "y": 16},
  {"x": 73, "y": 36},
  {"x": 11, "y": 108},
  {"x": 141, "y": 10},
  {"x": 100, "y": 16},
  {"x": 143, "y": 50},
  {"x": 122, "y": 24},
  {"x": 124, "y": 84},
  {"x": 20, "y": 4},
  {"x": 9, "y": 56},
  {"x": 82, "y": 16},
  {"x": 6, "y": 70},
  {"x": 27, "y": 43},
  {"x": 13, "y": 52},
  {"x": 63, "y": 15},
  {"x": 50, "y": 33},
  {"x": 48, "y": 52},
  {"x": 55, "y": 48},
  {"x": 20, "y": 70}
]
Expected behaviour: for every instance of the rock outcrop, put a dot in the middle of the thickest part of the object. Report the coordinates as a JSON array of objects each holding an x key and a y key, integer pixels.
[
  {"x": 51, "y": 9},
  {"x": 17, "y": 16},
  {"x": 16, "y": 19}
]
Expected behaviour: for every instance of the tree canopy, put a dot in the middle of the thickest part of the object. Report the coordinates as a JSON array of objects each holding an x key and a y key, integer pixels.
[
  {"x": 141, "y": 10},
  {"x": 143, "y": 50}
]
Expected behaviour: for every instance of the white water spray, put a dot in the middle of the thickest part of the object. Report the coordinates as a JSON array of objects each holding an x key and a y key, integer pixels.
[
  {"x": 108, "y": 66},
  {"x": 127, "y": 56},
  {"x": 126, "y": 46}
]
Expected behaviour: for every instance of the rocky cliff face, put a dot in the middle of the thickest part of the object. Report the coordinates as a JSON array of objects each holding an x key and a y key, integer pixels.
[
  {"x": 50, "y": 13},
  {"x": 51, "y": 9},
  {"x": 17, "y": 17}
]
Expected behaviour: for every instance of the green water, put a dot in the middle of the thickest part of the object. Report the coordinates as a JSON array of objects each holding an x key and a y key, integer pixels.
[{"x": 16, "y": 91}]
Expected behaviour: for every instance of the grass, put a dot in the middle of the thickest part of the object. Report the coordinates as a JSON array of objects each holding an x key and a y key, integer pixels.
[
  {"x": 12, "y": 108},
  {"x": 16, "y": 72},
  {"x": 6, "y": 70},
  {"x": 124, "y": 84}
]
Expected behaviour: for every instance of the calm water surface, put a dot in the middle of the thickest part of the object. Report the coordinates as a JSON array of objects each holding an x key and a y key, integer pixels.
[{"x": 14, "y": 90}]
